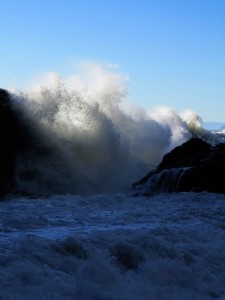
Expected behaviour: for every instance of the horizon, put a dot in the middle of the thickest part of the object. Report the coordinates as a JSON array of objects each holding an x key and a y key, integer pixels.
[{"x": 172, "y": 52}]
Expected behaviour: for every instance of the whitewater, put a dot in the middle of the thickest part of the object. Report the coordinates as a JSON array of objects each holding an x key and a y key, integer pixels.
[
  {"x": 80, "y": 233},
  {"x": 86, "y": 136},
  {"x": 115, "y": 247}
]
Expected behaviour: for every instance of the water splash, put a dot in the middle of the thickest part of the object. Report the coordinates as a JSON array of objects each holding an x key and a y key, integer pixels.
[{"x": 85, "y": 138}]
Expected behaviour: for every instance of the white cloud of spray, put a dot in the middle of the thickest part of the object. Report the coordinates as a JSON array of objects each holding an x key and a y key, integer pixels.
[{"x": 97, "y": 141}]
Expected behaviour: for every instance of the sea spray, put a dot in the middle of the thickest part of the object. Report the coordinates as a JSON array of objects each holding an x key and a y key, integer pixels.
[{"x": 85, "y": 140}]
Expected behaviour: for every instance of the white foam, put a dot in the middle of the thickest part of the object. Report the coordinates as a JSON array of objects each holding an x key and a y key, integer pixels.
[{"x": 114, "y": 247}]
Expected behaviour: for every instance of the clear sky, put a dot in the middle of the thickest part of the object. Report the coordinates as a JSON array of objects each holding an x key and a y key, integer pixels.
[{"x": 172, "y": 50}]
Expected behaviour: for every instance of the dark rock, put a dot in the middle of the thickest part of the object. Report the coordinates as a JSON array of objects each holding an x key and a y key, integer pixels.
[
  {"x": 8, "y": 143},
  {"x": 194, "y": 166},
  {"x": 188, "y": 154},
  {"x": 13, "y": 140}
]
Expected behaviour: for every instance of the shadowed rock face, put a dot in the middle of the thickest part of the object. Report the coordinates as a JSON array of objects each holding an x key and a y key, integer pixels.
[
  {"x": 8, "y": 146},
  {"x": 194, "y": 166},
  {"x": 13, "y": 139},
  {"x": 189, "y": 154}
]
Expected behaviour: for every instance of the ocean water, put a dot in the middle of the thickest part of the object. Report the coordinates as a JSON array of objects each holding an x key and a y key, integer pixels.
[
  {"x": 79, "y": 233},
  {"x": 169, "y": 246}
]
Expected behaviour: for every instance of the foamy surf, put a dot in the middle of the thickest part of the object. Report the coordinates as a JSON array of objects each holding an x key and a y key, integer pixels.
[{"x": 167, "y": 247}]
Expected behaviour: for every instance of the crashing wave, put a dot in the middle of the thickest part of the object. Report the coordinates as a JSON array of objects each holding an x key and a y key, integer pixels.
[{"x": 86, "y": 139}]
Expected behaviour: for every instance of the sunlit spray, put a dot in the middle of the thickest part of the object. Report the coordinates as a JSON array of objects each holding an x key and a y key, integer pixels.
[{"x": 86, "y": 138}]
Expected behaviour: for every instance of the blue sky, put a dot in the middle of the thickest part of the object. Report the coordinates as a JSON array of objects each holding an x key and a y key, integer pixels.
[{"x": 172, "y": 50}]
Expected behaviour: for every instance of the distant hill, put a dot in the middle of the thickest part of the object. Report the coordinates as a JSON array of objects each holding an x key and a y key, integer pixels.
[{"x": 213, "y": 125}]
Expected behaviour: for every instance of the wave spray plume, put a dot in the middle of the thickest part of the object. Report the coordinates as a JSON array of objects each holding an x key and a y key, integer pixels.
[{"x": 85, "y": 139}]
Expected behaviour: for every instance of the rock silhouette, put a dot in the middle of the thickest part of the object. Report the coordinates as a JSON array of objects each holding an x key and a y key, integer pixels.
[
  {"x": 194, "y": 166},
  {"x": 9, "y": 142},
  {"x": 14, "y": 138}
]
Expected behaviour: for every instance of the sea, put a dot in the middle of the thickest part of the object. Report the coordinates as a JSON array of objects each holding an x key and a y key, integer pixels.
[{"x": 80, "y": 233}]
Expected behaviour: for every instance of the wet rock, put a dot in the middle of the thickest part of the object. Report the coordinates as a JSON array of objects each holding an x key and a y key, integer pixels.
[
  {"x": 14, "y": 138},
  {"x": 194, "y": 166},
  {"x": 8, "y": 140}
]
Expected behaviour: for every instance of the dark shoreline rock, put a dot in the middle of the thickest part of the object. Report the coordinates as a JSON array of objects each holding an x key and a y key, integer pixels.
[
  {"x": 194, "y": 166},
  {"x": 8, "y": 138},
  {"x": 14, "y": 138}
]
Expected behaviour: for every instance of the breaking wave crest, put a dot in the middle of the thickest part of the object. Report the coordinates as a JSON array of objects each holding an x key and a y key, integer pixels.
[{"x": 87, "y": 137}]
